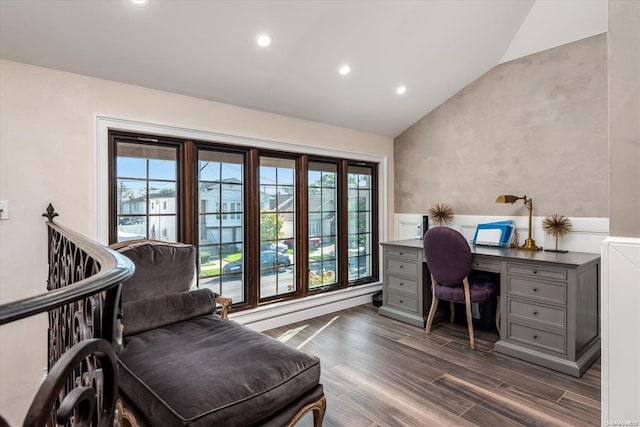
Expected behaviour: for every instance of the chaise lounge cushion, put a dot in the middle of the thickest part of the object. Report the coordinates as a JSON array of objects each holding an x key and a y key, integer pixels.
[
  {"x": 161, "y": 269},
  {"x": 207, "y": 372},
  {"x": 142, "y": 315}
]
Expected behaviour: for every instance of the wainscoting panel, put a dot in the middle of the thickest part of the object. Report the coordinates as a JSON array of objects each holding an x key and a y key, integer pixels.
[
  {"x": 620, "y": 331},
  {"x": 586, "y": 235}
]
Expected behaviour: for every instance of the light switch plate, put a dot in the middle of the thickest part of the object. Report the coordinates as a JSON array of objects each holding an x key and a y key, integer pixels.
[{"x": 4, "y": 209}]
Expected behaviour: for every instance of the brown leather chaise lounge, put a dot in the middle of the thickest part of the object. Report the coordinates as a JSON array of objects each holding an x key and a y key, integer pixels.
[{"x": 181, "y": 365}]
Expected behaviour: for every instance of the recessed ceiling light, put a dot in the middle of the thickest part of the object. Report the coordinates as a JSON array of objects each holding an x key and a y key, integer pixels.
[
  {"x": 400, "y": 90},
  {"x": 263, "y": 40},
  {"x": 344, "y": 70},
  {"x": 140, "y": 2}
]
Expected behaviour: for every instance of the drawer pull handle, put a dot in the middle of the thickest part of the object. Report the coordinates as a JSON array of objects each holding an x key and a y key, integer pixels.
[
  {"x": 401, "y": 266},
  {"x": 535, "y": 313},
  {"x": 535, "y": 337},
  {"x": 401, "y": 301},
  {"x": 401, "y": 253},
  {"x": 535, "y": 289},
  {"x": 535, "y": 271},
  {"x": 401, "y": 284}
]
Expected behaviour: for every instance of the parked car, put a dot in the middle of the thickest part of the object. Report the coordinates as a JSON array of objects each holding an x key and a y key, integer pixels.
[
  {"x": 277, "y": 247},
  {"x": 314, "y": 242},
  {"x": 270, "y": 261}
]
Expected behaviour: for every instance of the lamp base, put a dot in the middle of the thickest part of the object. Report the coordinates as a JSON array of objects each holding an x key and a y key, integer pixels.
[{"x": 530, "y": 245}]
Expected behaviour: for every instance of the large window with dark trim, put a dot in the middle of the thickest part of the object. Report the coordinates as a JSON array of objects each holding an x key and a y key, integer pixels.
[
  {"x": 146, "y": 192},
  {"x": 322, "y": 203},
  {"x": 277, "y": 226},
  {"x": 359, "y": 228},
  {"x": 269, "y": 225},
  {"x": 220, "y": 226}
]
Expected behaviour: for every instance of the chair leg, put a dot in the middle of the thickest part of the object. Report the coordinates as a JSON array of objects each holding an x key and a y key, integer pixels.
[
  {"x": 467, "y": 302},
  {"x": 434, "y": 305},
  {"x": 318, "y": 412},
  {"x": 452, "y": 309},
  {"x": 432, "y": 313}
]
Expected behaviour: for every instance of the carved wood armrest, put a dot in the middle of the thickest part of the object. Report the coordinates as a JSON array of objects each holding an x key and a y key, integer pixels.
[{"x": 224, "y": 302}]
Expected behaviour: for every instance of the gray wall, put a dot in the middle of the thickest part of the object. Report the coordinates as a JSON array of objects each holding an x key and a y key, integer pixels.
[
  {"x": 624, "y": 118},
  {"x": 536, "y": 126}
]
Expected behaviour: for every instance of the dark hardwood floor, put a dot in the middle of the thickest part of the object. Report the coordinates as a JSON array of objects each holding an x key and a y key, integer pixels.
[{"x": 380, "y": 372}]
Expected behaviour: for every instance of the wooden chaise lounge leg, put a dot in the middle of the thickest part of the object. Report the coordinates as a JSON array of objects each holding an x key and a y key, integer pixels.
[
  {"x": 125, "y": 418},
  {"x": 318, "y": 407},
  {"x": 224, "y": 302}
]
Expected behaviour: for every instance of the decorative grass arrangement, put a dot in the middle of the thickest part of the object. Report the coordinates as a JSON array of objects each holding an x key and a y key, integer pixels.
[
  {"x": 557, "y": 226},
  {"x": 441, "y": 214}
]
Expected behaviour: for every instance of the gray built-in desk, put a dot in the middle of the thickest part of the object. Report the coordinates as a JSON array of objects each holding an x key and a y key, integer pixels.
[{"x": 549, "y": 301}]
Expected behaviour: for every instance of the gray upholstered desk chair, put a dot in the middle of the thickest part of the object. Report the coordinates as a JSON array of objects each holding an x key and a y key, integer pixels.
[{"x": 449, "y": 260}]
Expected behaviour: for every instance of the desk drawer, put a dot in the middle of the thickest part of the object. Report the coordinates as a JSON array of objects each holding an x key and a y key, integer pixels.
[
  {"x": 404, "y": 285},
  {"x": 406, "y": 268},
  {"x": 403, "y": 302},
  {"x": 534, "y": 271},
  {"x": 537, "y": 290},
  {"x": 486, "y": 265},
  {"x": 555, "y": 317},
  {"x": 552, "y": 341},
  {"x": 407, "y": 254}
]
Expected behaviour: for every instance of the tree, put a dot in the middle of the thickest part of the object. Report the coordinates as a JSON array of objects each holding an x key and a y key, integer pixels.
[{"x": 270, "y": 225}]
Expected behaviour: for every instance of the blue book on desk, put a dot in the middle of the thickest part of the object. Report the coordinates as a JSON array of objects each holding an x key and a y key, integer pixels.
[{"x": 494, "y": 233}]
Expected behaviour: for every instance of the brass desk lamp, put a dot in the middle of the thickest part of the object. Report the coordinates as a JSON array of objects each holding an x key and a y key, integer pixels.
[{"x": 529, "y": 244}]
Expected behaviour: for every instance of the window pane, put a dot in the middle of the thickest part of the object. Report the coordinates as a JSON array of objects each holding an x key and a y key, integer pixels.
[
  {"x": 132, "y": 228},
  {"x": 162, "y": 197},
  {"x": 146, "y": 191},
  {"x": 132, "y": 197},
  {"x": 277, "y": 226},
  {"x": 322, "y": 228},
  {"x": 209, "y": 171},
  {"x": 221, "y": 227},
  {"x": 129, "y": 167},
  {"x": 163, "y": 228},
  {"x": 162, "y": 169},
  {"x": 209, "y": 197}
]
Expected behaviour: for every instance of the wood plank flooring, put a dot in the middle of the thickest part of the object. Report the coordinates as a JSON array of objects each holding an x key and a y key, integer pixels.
[{"x": 380, "y": 372}]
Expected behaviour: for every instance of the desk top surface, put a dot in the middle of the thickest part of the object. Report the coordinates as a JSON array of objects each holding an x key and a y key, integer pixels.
[{"x": 568, "y": 258}]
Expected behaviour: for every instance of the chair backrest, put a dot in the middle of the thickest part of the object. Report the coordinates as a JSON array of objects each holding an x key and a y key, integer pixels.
[
  {"x": 162, "y": 268},
  {"x": 448, "y": 255}
]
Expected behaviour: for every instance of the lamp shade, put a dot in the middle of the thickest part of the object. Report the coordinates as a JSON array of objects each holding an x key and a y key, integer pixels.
[{"x": 507, "y": 198}]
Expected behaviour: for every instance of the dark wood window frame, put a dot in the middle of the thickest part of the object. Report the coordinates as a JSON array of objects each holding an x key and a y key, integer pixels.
[{"x": 187, "y": 209}]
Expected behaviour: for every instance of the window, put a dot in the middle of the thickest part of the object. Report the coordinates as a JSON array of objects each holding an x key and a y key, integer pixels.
[
  {"x": 322, "y": 202},
  {"x": 360, "y": 220},
  {"x": 268, "y": 225},
  {"x": 221, "y": 177},
  {"x": 146, "y": 177},
  {"x": 277, "y": 226}
]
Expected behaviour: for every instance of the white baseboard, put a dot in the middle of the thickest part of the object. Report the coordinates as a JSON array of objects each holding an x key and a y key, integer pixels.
[
  {"x": 620, "y": 331},
  {"x": 586, "y": 235},
  {"x": 275, "y": 315}
]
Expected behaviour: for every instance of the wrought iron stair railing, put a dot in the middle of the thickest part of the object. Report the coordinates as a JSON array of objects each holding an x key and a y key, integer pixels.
[{"x": 83, "y": 302}]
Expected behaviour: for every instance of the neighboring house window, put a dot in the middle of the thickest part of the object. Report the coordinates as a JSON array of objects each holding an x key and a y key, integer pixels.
[
  {"x": 269, "y": 225},
  {"x": 143, "y": 174}
]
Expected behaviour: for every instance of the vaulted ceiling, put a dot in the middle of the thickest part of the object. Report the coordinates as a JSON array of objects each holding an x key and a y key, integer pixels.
[{"x": 207, "y": 49}]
